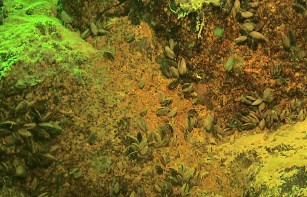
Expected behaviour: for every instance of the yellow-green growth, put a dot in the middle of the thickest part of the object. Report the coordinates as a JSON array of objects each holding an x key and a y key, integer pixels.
[{"x": 192, "y": 6}]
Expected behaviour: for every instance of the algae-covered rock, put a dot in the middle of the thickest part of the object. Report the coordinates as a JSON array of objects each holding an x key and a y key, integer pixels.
[
  {"x": 32, "y": 35},
  {"x": 270, "y": 164}
]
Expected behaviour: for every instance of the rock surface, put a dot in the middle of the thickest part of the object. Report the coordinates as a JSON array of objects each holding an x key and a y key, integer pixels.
[{"x": 270, "y": 164}]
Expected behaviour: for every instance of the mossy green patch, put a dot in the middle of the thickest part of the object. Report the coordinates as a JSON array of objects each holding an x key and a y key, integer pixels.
[
  {"x": 35, "y": 38},
  {"x": 218, "y": 32}
]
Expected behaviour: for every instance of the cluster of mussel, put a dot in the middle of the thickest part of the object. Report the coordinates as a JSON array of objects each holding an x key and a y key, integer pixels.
[
  {"x": 263, "y": 113},
  {"x": 176, "y": 182},
  {"x": 180, "y": 180},
  {"x": 95, "y": 28},
  {"x": 26, "y": 142},
  {"x": 259, "y": 111},
  {"x": 140, "y": 147},
  {"x": 120, "y": 187},
  {"x": 251, "y": 26},
  {"x": 165, "y": 108},
  {"x": 174, "y": 67}
]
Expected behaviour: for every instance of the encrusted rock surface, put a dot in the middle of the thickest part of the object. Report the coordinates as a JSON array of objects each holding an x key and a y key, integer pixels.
[{"x": 270, "y": 164}]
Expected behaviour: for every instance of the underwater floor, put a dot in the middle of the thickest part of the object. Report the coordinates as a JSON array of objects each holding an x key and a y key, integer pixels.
[{"x": 123, "y": 111}]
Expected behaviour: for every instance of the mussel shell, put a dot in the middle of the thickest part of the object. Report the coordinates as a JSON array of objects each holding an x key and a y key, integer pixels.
[
  {"x": 162, "y": 111},
  {"x": 174, "y": 72},
  {"x": 249, "y": 26},
  {"x": 93, "y": 28},
  {"x": 243, "y": 32},
  {"x": 241, "y": 40},
  {"x": 20, "y": 171},
  {"x": 268, "y": 96},
  {"x": 169, "y": 53},
  {"x": 292, "y": 37},
  {"x": 182, "y": 67},
  {"x": 165, "y": 70},
  {"x": 249, "y": 126},
  {"x": 174, "y": 84},
  {"x": 261, "y": 124},
  {"x": 285, "y": 41},
  {"x": 252, "y": 43},
  {"x": 247, "y": 14},
  {"x": 208, "y": 122}
]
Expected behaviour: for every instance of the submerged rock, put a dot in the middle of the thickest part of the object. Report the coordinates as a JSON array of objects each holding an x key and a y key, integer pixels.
[{"x": 270, "y": 164}]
